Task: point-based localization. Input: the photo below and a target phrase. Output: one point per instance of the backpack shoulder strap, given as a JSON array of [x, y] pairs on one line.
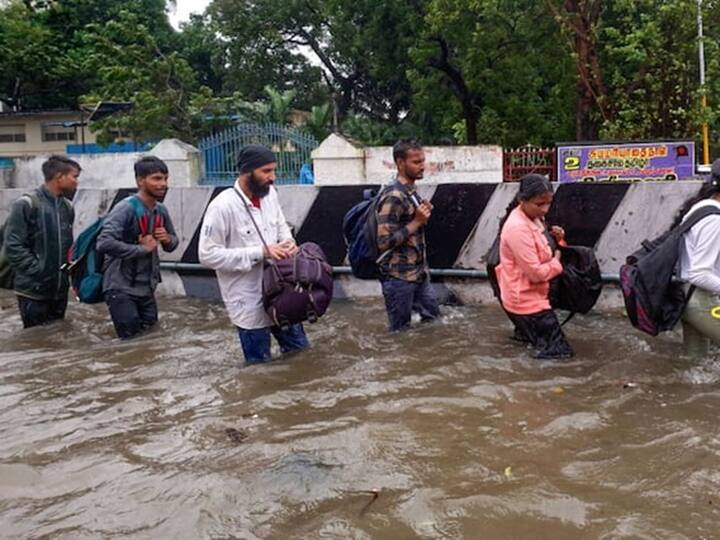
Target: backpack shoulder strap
[[137, 205], [696, 216], [245, 204], [67, 203], [32, 199]]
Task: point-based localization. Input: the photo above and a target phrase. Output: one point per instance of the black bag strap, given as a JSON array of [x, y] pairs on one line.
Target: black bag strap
[[568, 318], [697, 215], [245, 204]]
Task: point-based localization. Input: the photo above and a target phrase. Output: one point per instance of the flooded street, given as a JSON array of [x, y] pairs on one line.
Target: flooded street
[[450, 431]]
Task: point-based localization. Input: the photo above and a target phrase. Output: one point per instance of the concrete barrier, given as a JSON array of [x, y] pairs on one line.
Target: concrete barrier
[[612, 218]]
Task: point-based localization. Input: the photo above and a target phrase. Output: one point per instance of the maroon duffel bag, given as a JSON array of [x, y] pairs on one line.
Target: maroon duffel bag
[[299, 288]]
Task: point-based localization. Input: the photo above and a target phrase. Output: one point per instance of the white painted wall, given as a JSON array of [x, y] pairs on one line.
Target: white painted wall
[[112, 170], [338, 161]]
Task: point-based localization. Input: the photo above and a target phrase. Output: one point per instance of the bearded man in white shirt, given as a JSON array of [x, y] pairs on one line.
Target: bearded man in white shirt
[[231, 245]]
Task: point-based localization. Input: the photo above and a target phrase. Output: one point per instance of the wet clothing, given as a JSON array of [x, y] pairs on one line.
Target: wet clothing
[[699, 261], [406, 259], [526, 265], [131, 274], [128, 267], [38, 235], [38, 312], [702, 316], [255, 342], [543, 332], [700, 250], [230, 245], [131, 315], [403, 297], [405, 278]]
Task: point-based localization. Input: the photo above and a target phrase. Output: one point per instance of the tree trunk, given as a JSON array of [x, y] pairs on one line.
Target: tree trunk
[[579, 18], [586, 128], [471, 120], [468, 99]]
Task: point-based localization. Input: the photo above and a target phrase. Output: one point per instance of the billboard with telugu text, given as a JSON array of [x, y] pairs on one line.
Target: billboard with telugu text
[[626, 162]]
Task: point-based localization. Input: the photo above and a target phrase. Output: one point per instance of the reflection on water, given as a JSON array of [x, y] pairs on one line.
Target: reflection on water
[[450, 431]]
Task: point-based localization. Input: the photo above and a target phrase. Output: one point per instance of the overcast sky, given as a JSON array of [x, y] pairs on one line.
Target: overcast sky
[[184, 8]]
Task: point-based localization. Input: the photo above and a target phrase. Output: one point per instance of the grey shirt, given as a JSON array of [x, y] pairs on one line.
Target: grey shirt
[[128, 268]]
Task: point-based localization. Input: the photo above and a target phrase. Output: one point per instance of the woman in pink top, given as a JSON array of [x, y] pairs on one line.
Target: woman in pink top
[[527, 264]]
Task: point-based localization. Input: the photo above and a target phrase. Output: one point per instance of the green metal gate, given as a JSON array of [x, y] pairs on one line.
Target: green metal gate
[[291, 146]]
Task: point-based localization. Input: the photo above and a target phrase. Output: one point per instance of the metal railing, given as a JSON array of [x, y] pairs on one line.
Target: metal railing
[[292, 148], [463, 273], [517, 162]]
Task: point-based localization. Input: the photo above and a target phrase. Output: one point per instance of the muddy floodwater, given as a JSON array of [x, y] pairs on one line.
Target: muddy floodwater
[[446, 431]]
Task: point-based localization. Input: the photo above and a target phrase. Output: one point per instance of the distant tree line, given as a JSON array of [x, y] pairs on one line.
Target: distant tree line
[[506, 72]]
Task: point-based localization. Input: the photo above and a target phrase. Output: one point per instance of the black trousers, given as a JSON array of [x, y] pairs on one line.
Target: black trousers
[[542, 330], [131, 314], [37, 312]]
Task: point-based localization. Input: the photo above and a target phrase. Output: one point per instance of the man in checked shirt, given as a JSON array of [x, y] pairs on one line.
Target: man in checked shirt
[[402, 216]]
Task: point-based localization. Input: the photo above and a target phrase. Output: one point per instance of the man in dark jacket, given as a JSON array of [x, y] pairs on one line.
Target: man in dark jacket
[[129, 240], [38, 234]]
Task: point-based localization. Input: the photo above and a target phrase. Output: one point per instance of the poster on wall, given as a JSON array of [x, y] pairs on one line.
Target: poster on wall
[[626, 162]]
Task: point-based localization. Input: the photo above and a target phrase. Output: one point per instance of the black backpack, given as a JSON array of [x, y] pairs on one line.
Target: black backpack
[[654, 301], [360, 233], [575, 290], [579, 286]]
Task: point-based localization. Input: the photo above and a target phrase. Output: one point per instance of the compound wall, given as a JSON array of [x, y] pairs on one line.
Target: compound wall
[[612, 218]]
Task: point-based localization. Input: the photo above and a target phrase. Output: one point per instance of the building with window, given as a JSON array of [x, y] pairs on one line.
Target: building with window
[[31, 133]]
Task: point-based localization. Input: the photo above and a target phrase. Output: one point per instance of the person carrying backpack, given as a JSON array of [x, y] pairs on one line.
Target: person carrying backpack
[[230, 243], [527, 265], [401, 220], [699, 265], [129, 242], [37, 236]]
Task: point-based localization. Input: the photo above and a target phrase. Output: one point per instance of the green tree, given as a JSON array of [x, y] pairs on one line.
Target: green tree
[[130, 66], [318, 121], [32, 73], [200, 47], [491, 70], [42, 53], [636, 66], [361, 47]]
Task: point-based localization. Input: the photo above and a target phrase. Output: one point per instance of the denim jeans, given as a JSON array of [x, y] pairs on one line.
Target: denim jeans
[[131, 314], [256, 342], [37, 312], [402, 297]]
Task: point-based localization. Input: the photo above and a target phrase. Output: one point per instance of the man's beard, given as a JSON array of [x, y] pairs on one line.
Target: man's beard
[[157, 194], [257, 188]]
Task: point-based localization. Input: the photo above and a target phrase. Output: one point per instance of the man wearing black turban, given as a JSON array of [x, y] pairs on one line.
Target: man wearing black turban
[[231, 245]]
